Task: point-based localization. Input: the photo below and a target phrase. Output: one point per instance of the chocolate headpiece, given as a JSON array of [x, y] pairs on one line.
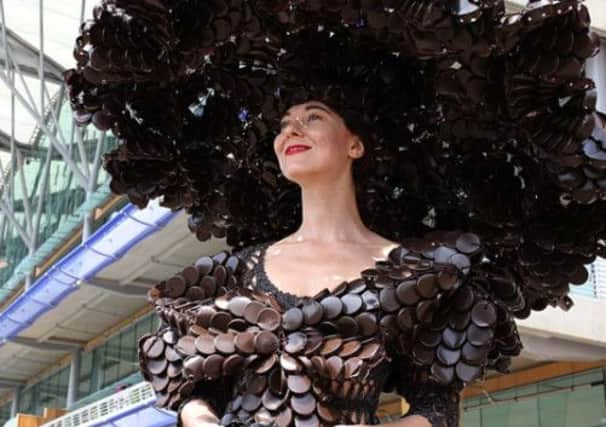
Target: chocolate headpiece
[[480, 120]]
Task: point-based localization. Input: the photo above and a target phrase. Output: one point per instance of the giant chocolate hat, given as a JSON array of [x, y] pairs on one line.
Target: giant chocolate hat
[[479, 120]]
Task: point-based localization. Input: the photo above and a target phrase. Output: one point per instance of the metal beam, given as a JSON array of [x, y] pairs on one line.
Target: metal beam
[[10, 382], [115, 287], [28, 58], [44, 345]]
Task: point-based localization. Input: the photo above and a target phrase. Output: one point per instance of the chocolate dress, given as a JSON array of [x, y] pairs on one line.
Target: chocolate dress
[[422, 322]]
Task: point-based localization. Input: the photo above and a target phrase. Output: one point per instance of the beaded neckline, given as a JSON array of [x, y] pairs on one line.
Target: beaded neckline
[[286, 299]]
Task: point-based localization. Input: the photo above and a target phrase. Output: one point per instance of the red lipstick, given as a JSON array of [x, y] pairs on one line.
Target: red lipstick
[[297, 148]]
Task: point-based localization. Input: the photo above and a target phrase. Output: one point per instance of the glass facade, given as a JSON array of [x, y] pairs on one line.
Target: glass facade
[[100, 368], [572, 401]]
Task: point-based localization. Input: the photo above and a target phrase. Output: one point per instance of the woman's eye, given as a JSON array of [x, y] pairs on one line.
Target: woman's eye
[[313, 116]]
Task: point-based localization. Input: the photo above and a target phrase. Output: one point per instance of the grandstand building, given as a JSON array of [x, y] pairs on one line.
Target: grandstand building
[[76, 263]]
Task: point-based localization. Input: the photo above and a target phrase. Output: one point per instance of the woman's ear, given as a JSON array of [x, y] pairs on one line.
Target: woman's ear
[[356, 147]]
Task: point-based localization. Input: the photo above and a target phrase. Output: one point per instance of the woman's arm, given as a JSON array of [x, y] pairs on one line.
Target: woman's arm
[[197, 413]]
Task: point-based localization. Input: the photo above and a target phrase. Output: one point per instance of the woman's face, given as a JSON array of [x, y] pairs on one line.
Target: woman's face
[[314, 142]]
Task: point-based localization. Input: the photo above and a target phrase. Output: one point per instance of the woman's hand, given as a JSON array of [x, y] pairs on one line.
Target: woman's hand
[[196, 413]]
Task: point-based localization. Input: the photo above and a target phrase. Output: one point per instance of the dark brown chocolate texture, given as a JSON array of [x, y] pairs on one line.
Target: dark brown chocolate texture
[[480, 121]]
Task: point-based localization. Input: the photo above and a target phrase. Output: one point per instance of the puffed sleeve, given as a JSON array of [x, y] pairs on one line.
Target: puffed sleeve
[[445, 321], [180, 359]]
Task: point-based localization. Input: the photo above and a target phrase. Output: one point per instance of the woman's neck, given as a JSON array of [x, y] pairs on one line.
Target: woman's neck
[[330, 213]]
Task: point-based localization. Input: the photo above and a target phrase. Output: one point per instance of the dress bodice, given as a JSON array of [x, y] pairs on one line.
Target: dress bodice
[[416, 324]]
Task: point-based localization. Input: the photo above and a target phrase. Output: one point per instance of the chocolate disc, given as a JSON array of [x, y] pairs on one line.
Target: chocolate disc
[[351, 367], [447, 279], [340, 289], [331, 346], [186, 346], [204, 265], [225, 343], [304, 404], [213, 366], [250, 402], [406, 318], [267, 364], [427, 286], [193, 367], [463, 299], [289, 363], [256, 384], [406, 292], [424, 311], [347, 326], [266, 342], [237, 305], [424, 355], [484, 314], [367, 324], [245, 342], [263, 416], [203, 316], [251, 311], [284, 418], [175, 286], [332, 307], [277, 382], [237, 325], [428, 337], [208, 285], [191, 275], [442, 374], [232, 364], [447, 356], [171, 355], [222, 302], [295, 342], [292, 319], [269, 319], [327, 413], [459, 321], [357, 286], [157, 367], [174, 384], [311, 421], [205, 344], [468, 243], [220, 275], [313, 344], [442, 254], [351, 303], [369, 351], [174, 369], [461, 261], [371, 300], [467, 373], [170, 337], [388, 299], [195, 293], [472, 354], [272, 401], [312, 312], [298, 383], [350, 348], [453, 338], [479, 336], [334, 365], [153, 347], [319, 365], [220, 320]]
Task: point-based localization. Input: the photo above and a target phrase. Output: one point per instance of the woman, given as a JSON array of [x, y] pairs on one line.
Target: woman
[[317, 150], [478, 123]]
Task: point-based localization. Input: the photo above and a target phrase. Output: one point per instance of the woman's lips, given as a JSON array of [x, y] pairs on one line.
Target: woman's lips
[[293, 149]]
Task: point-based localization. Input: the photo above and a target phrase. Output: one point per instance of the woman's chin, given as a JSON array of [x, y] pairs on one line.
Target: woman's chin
[[300, 174]]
